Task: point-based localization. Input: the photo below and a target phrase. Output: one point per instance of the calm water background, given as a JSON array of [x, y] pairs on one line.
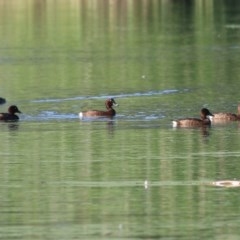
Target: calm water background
[[62, 178]]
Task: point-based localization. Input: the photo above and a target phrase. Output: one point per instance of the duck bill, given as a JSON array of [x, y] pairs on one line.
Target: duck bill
[[114, 103]]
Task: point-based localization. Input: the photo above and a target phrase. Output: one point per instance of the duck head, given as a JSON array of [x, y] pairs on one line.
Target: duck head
[[205, 113], [110, 103], [13, 109]]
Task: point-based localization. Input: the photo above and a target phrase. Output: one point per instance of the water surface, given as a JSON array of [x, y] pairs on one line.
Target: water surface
[[134, 176]]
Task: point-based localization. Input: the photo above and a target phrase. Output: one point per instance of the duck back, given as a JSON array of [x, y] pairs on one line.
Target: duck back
[[191, 122], [225, 116]]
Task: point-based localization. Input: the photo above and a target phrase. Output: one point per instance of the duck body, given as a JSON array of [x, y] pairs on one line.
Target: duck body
[[226, 117], [97, 113], [205, 120], [109, 113], [10, 116], [191, 122]]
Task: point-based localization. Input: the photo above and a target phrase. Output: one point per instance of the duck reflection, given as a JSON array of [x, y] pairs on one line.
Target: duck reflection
[[111, 126], [110, 123], [13, 126], [10, 126], [204, 131]]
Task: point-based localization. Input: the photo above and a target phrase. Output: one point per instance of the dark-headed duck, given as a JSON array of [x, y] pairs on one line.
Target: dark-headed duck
[[10, 116], [205, 120], [2, 100], [225, 117], [97, 113]]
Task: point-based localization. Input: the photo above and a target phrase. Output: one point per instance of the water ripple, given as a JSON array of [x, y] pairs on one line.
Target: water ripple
[[145, 184], [121, 95]]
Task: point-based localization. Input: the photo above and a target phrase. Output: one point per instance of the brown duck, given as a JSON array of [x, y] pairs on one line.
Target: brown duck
[[205, 120], [226, 116], [10, 116], [110, 112]]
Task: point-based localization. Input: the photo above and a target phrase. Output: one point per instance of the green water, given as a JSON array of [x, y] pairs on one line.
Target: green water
[[62, 178]]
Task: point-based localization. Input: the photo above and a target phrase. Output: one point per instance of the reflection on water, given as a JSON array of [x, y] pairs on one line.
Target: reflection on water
[[132, 177], [93, 184], [13, 126], [204, 131], [9, 126]]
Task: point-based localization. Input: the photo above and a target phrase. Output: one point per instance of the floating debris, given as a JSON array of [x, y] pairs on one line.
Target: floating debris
[[146, 184], [226, 183]]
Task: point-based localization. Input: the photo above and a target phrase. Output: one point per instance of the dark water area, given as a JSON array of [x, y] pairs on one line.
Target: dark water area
[[133, 176]]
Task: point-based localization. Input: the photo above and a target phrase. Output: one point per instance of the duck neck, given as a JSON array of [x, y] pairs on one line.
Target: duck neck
[[108, 107]]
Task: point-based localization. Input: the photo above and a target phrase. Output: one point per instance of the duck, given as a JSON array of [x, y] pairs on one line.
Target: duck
[[109, 103], [226, 116], [206, 117], [10, 116], [2, 100]]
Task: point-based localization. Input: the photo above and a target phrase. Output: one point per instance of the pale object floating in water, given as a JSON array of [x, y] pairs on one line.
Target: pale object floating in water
[[227, 183], [145, 184]]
